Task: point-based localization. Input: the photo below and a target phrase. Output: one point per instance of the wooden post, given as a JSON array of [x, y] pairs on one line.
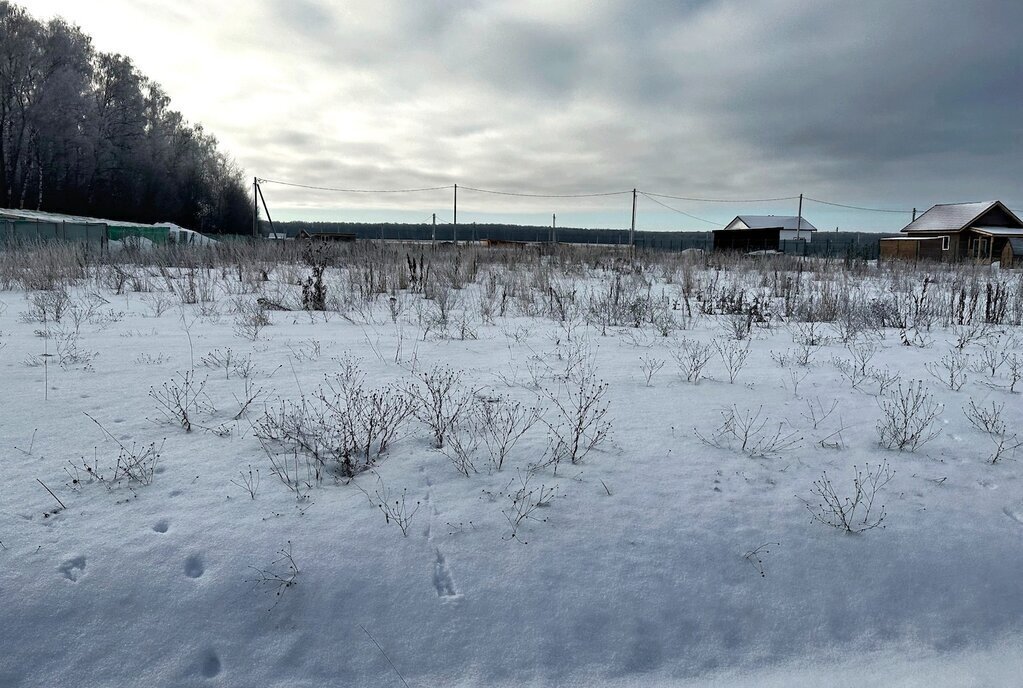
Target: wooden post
[[255, 207], [433, 235], [632, 227], [799, 217], [454, 225]]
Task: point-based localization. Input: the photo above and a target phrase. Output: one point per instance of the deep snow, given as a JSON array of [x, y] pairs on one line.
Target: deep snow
[[648, 585]]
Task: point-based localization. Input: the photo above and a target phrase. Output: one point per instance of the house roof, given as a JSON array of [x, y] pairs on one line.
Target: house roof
[[955, 217], [1017, 245], [1000, 231], [775, 222]]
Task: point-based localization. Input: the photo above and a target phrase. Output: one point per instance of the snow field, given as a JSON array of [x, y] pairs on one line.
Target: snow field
[[660, 559]]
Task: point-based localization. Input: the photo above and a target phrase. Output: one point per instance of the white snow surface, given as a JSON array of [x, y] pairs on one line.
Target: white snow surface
[[635, 577]]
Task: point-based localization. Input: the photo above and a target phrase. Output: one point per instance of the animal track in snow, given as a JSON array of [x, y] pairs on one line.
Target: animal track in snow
[[194, 567], [73, 568], [210, 664], [442, 578], [1015, 513], [161, 526]]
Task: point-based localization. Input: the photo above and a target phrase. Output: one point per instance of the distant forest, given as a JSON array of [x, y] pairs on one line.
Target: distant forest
[[83, 132]]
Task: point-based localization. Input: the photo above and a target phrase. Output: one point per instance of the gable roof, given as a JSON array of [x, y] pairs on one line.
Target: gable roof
[[775, 222], [955, 217]]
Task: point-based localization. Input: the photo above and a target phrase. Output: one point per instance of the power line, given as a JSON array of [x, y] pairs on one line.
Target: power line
[[536, 195], [857, 207], [364, 191], [680, 212], [648, 194], [719, 200]]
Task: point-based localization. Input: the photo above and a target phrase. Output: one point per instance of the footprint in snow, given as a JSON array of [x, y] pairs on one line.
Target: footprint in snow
[[194, 567], [73, 568], [209, 664], [442, 580], [161, 526], [1015, 513]]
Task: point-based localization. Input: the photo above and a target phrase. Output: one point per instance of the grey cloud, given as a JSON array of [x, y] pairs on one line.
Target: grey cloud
[[875, 101]]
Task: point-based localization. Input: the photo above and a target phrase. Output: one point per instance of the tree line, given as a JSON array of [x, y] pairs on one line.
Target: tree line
[[84, 132]]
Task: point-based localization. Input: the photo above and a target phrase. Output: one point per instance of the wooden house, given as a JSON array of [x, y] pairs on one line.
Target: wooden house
[[967, 231]]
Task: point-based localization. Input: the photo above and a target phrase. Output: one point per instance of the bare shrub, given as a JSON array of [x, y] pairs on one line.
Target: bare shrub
[[650, 367], [749, 433], [857, 369], [181, 400], [441, 400], [134, 465], [950, 369], [522, 503], [1014, 362], [47, 306], [692, 357], [342, 425], [970, 333], [502, 423], [280, 576], [853, 513], [220, 359], [908, 415], [990, 422], [158, 302], [733, 354], [398, 510], [248, 481], [578, 423], [250, 320]]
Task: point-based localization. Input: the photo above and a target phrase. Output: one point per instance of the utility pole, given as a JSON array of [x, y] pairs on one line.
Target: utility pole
[[554, 228], [454, 225], [632, 228], [433, 235], [255, 207], [799, 218]]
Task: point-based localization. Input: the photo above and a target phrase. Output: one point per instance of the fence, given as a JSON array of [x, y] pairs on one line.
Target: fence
[[15, 232]]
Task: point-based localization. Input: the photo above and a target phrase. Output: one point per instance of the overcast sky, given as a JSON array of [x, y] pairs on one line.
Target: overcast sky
[[882, 103]]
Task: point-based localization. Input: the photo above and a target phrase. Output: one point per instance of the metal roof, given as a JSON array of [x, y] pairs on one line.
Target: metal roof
[[1000, 231], [1017, 245], [775, 222], [953, 217], [40, 216]]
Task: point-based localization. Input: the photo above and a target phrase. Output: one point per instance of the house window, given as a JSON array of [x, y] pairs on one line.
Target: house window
[[944, 243]]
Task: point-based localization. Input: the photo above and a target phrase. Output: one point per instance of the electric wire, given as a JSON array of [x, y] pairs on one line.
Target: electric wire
[[363, 191], [721, 200], [651, 195], [857, 207], [680, 212], [538, 195]]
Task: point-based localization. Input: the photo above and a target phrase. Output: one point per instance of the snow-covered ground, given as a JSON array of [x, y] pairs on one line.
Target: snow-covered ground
[[666, 556]]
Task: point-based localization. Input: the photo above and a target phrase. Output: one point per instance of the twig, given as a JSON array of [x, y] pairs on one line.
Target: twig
[[62, 506], [385, 656]]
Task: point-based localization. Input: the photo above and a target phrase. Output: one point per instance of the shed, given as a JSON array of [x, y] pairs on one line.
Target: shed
[[1012, 253], [762, 232]]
